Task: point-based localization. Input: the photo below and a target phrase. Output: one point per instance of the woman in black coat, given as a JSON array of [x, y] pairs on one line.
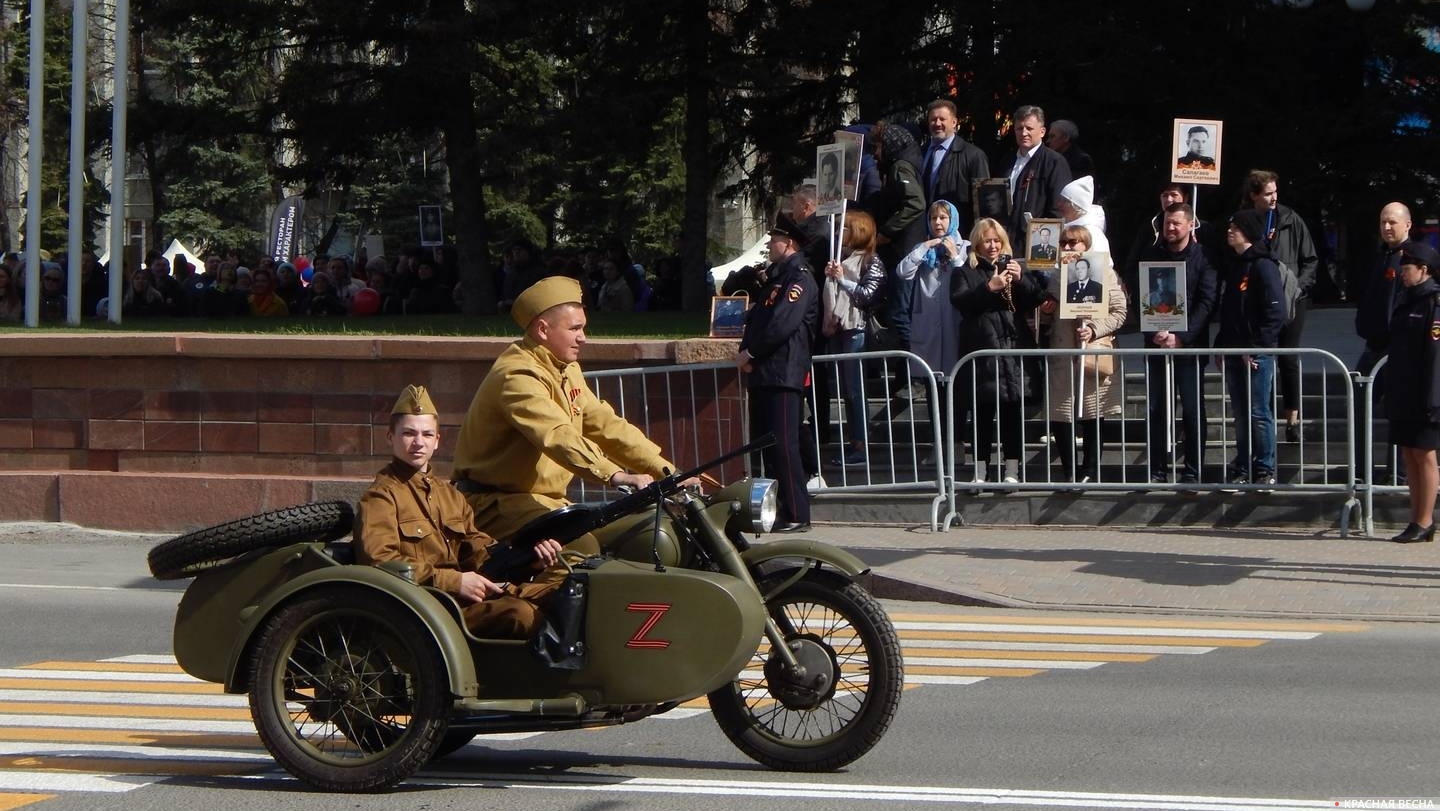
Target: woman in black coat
[[1412, 384], [994, 295]]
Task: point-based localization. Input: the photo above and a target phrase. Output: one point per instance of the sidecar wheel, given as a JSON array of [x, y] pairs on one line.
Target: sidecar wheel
[[193, 552], [347, 692], [841, 634]]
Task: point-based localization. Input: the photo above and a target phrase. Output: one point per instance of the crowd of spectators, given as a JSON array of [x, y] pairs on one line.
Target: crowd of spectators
[[945, 289], [417, 282]]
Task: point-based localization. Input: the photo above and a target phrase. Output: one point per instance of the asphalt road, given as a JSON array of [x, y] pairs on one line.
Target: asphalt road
[[1008, 709]]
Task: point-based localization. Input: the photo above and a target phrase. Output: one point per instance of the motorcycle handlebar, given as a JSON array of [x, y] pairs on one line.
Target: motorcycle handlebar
[[570, 523]]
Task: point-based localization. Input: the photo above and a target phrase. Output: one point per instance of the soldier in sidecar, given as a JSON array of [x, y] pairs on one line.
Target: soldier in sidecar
[[411, 516]]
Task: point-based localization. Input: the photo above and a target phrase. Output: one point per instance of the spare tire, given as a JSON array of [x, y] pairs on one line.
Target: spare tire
[[194, 552]]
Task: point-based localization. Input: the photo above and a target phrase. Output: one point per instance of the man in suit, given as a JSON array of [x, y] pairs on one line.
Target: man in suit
[[950, 163], [1082, 288], [1044, 247], [1036, 172]]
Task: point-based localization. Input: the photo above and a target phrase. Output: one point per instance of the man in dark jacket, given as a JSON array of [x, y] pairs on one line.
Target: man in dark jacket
[[951, 163], [775, 354], [1288, 241], [899, 209], [1373, 311], [1252, 313], [1178, 243], [1037, 173], [1211, 239], [1063, 137]]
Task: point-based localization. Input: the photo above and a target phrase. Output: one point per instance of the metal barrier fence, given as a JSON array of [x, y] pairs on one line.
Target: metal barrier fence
[[1372, 480], [1042, 382], [883, 439]]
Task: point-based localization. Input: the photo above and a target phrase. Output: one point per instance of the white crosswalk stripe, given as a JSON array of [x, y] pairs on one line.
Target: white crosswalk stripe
[[104, 727]]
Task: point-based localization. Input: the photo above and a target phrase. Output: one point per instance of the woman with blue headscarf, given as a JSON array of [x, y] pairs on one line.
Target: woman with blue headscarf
[[934, 321]]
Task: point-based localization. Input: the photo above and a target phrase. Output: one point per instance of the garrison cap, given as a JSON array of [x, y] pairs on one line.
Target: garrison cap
[[1414, 252], [414, 400], [544, 294]]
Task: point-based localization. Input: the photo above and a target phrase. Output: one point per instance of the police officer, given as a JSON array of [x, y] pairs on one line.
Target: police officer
[[1412, 386], [534, 424], [775, 352]]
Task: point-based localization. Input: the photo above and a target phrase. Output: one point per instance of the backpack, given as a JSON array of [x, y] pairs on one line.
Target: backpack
[[1290, 289]]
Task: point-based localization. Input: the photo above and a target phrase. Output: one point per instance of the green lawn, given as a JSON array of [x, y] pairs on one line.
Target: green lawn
[[653, 325]]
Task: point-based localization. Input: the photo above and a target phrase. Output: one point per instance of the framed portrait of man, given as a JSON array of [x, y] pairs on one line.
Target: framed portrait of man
[[854, 144], [990, 197], [727, 316], [1162, 297], [1082, 285], [1195, 143], [829, 179], [432, 231], [1042, 244]]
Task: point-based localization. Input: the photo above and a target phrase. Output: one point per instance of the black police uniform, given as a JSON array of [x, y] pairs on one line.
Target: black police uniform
[[778, 332]]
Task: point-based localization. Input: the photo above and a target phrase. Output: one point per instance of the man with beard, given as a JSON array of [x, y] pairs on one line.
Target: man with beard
[[1178, 243]]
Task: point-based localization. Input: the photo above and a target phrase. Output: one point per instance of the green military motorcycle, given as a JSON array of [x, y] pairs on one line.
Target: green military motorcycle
[[358, 677]]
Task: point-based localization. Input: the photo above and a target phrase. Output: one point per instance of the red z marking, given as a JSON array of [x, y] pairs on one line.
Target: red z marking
[[656, 611]]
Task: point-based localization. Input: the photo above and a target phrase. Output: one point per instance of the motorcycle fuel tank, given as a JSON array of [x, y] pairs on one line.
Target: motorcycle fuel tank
[[671, 635]]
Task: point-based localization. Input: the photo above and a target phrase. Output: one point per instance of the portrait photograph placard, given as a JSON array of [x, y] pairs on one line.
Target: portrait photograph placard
[[432, 230], [1082, 285], [1195, 143], [1042, 251], [991, 198], [1162, 297], [829, 179], [727, 316], [854, 144]]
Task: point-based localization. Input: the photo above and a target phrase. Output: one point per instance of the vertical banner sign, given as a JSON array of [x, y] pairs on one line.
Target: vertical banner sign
[[285, 228]]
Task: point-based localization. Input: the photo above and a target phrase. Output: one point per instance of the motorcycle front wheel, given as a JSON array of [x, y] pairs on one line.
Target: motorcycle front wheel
[[347, 693], [841, 704]]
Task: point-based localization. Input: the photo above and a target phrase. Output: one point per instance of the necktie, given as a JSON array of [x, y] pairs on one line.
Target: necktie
[[932, 168]]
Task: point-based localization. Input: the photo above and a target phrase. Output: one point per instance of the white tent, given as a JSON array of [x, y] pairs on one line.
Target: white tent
[[176, 247], [754, 255]]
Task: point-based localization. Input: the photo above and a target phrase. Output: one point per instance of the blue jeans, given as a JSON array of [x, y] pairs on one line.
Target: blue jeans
[[1252, 398], [1193, 422], [856, 415]]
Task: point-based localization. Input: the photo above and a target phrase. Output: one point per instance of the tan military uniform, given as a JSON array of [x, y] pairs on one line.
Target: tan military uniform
[[532, 427], [413, 516]]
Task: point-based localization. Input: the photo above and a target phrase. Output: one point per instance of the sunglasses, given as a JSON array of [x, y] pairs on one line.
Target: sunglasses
[[1069, 243]]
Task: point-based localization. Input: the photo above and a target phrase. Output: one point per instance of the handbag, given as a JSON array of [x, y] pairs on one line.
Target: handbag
[[1104, 365]]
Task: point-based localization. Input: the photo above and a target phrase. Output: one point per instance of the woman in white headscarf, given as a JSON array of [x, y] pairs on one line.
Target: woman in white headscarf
[[1078, 207]]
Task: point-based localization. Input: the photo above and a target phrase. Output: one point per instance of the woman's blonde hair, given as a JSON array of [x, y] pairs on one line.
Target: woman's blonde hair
[[983, 228]]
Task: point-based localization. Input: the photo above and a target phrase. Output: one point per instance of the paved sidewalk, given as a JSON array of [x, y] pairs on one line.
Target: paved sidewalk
[[1314, 574], [1239, 572]]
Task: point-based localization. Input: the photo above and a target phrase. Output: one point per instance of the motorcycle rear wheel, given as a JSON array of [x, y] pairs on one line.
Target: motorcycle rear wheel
[[840, 632], [348, 693]]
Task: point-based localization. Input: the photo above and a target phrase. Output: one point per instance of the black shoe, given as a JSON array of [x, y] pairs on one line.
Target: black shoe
[[1268, 482], [1189, 479], [1237, 478], [1414, 533], [1159, 477], [1293, 432], [793, 526]]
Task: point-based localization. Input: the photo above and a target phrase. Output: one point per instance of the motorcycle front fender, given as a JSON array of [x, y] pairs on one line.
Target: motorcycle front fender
[[813, 551]]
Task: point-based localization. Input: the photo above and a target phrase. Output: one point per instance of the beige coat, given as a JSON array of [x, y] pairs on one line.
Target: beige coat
[[1064, 373]]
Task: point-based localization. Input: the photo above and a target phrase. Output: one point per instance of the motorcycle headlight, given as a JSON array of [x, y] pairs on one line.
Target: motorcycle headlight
[[763, 505]]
